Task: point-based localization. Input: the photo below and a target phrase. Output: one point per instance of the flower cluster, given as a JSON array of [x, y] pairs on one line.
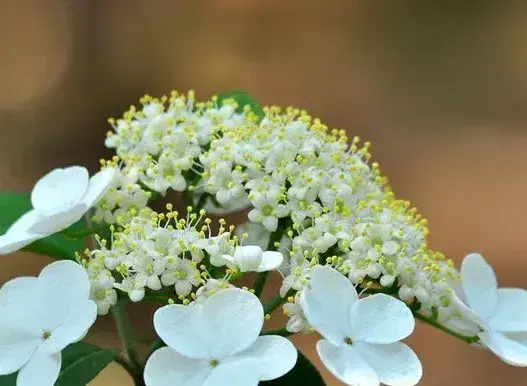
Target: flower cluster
[[296, 174], [354, 259], [158, 146], [159, 250], [338, 208]]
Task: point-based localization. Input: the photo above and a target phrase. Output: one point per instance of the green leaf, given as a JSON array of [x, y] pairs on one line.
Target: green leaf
[[59, 245], [243, 99], [81, 362], [304, 373]]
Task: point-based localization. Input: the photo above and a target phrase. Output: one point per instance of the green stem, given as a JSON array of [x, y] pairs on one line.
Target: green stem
[[201, 202], [124, 331], [430, 321], [259, 284], [277, 301], [187, 199], [281, 332]]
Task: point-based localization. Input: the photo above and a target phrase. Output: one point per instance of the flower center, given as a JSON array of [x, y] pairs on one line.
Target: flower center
[[267, 210], [180, 274], [348, 340], [100, 294], [213, 363]]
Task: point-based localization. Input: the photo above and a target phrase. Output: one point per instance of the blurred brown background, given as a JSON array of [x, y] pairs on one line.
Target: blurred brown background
[[439, 87]]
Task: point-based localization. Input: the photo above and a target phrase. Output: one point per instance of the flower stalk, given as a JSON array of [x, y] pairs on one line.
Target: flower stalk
[[129, 360], [431, 322]]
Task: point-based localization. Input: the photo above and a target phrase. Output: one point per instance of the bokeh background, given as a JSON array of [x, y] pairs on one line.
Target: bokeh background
[[439, 87]]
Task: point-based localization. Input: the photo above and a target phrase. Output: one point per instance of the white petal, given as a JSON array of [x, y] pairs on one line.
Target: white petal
[[165, 367], [395, 364], [270, 261], [17, 344], [19, 291], [466, 313], [99, 184], [269, 357], [176, 325], [328, 304], [25, 222], [380, 319], [511, 315], [230, 321], [231, 373], [64, 284], [223, 196], [74, 327], [221, 260], [42, 366], [248, 257], [20, 307], [66, 276], [270, 223], [345, 364], [479, 285], [18, 235], [59, 190], [10, 243], [47, 225], [509, 350]]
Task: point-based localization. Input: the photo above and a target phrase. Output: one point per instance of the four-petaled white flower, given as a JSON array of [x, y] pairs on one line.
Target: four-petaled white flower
[[251, 258], [40, 317], [216, 343], [59, 200], [500, 314], [361, 345]]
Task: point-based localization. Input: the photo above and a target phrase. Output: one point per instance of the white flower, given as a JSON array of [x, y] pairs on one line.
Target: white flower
[[251, 258], [216, 247], [40, 317], [134, 286], [267, 210], [258, 235], [211, 287], [102, 292], [59, 199], [183, 274], [297, 321], [216, 343], [361, 345], [500, 313], [298, 275]]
